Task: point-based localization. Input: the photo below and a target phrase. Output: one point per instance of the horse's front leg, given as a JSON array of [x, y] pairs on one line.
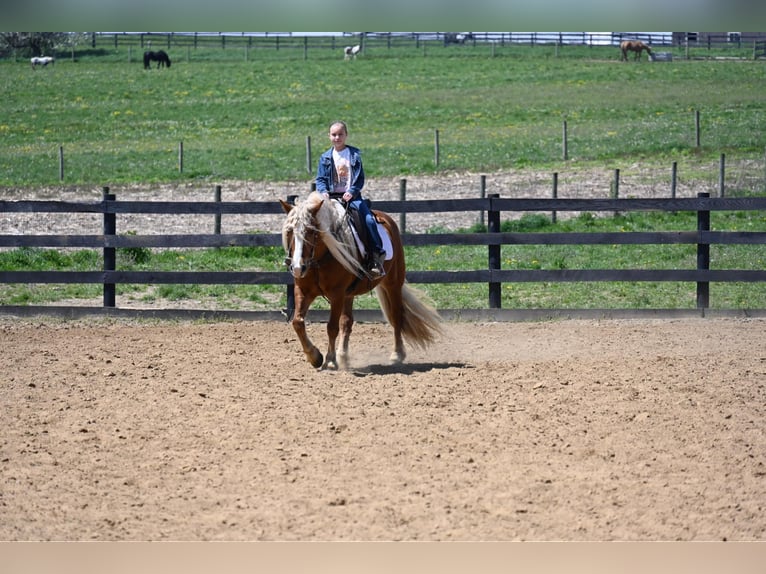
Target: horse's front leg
[[302, 304]]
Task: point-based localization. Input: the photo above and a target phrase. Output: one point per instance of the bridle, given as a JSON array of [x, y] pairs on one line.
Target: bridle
[[309, 262]]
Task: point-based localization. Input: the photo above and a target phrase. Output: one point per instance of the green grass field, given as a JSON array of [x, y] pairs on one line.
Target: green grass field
[[248, 119]]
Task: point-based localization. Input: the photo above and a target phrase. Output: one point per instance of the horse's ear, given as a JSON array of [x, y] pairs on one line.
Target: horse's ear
[[286, 206]]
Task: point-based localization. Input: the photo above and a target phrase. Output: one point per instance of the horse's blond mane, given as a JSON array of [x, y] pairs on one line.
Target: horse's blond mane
[[329, 222]]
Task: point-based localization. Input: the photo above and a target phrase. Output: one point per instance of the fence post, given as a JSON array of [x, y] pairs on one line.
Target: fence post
[[721, 175], [110, 253], [616, 188], [482, 194], [180, 157], [308, 154], [61, 163], [697, 128], [217, 199], [493, 226], [555, 194], [565, 152], [703, 256], [436, 148], [673, 179], [403, 213]]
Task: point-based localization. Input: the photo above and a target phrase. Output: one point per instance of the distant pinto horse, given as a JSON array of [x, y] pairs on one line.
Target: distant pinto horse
[[160, 57], [456, 38], [350, 52], [636, 46], [41, 61], [324, 258]]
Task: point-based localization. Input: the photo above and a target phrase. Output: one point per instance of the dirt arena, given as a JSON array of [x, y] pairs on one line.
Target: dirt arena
[[641, 429]]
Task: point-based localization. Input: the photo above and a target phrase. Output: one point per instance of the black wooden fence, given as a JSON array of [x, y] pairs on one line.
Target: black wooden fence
[[494, 276]]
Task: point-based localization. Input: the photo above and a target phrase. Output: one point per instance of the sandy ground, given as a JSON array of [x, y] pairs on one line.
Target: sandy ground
[[558, 430]]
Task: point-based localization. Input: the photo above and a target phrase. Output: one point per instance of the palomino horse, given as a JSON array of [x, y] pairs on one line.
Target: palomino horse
[[636, 46], [322, 255]]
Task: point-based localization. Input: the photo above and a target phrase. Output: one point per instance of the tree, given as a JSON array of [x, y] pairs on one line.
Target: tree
[[29, 44]]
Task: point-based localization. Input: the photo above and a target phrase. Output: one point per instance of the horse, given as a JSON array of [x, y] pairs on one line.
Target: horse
[[350, 52], [324, 258], [636, 46], [455, 38], [160, 57], [42, 61]]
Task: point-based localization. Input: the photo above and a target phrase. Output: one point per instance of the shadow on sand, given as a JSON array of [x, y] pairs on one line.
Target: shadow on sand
[[405, 368]]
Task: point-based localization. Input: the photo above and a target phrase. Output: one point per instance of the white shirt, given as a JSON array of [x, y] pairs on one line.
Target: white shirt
[[342, 176]]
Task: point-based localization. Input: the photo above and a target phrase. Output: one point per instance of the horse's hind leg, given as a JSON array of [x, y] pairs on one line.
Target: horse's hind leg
[[398, 354], [346, 326], [330, 361], [392, 305]]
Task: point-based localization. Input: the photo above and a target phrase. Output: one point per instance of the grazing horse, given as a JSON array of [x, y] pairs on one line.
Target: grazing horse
[[350, 52], [41, 61], [324, 259], [160, 57], [636, 46]]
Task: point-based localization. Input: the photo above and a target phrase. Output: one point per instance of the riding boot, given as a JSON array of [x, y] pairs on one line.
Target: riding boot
[[377, 267]]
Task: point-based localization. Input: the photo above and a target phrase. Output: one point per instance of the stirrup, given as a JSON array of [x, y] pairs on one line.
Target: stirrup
[[378, 267]]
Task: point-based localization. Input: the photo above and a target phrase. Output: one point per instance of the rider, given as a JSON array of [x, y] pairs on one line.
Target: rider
[[340, 175]]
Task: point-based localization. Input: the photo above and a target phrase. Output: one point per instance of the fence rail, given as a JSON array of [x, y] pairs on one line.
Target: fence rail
[[493, 275], [277, 40], [297, 43]]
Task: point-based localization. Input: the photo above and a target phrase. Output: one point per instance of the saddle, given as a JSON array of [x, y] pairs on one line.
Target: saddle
[[358, 227]]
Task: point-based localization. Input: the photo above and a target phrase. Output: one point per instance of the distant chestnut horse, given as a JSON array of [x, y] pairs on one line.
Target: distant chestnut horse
[[636, 46]]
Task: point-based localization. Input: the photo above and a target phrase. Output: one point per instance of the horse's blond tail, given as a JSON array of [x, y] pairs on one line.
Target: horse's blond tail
[[421, 323]]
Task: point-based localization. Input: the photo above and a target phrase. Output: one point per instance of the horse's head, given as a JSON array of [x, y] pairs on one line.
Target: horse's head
[[301, 238], [312, 229]]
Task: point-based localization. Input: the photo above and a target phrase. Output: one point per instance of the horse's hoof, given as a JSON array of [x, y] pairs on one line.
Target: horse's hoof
[[331, 366], [315, 358], [397, 358]]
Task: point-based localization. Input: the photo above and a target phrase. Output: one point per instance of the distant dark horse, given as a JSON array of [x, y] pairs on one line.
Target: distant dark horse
[[633, 46], [160, 57]]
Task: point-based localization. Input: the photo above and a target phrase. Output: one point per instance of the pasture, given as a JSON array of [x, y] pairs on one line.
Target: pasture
[[244, 123], [249, 120]]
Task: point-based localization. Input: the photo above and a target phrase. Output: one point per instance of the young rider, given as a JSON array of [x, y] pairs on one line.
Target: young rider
[[340, 175]]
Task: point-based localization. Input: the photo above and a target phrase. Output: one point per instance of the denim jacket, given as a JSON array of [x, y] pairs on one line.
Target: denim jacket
[[326, 169]]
